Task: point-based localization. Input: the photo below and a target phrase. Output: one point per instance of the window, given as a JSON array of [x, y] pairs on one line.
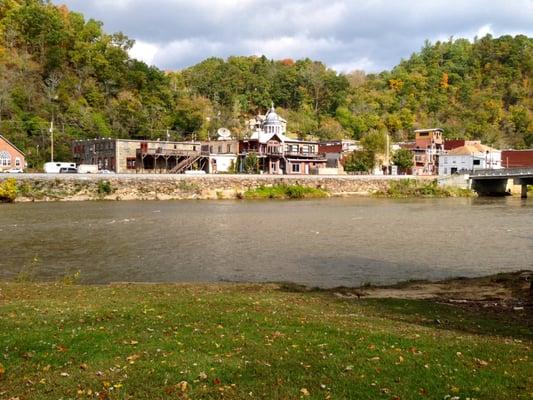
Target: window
[[273, 166], [477, 162], [295, 168], [228, 148], [219, 149], [130, 163], [17, 162], [5, 159]]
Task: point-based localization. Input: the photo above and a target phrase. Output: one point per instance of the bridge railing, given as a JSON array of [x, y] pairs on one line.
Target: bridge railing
[[502, 172]]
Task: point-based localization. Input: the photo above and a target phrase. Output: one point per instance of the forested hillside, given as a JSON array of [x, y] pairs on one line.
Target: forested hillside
[[56, 65]]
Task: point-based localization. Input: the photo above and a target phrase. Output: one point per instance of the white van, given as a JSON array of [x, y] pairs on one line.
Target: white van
[[87, 169], [55, 167]]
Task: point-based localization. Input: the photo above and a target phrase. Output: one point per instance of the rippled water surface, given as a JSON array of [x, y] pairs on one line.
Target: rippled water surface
[[320, 242]]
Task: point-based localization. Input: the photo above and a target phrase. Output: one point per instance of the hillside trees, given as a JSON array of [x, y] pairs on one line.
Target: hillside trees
[[477, 90]]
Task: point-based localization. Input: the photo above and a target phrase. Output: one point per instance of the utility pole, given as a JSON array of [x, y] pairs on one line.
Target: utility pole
[[52, 139], [388, 156]]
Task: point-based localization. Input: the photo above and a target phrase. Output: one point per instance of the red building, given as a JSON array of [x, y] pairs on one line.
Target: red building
[[10, 156], [517, 158], [428, 146]]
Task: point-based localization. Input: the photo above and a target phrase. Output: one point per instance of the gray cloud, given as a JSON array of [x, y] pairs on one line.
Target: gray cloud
[[367, 34]]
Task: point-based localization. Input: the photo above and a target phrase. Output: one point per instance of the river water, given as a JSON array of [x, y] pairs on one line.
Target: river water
[[325, 243]]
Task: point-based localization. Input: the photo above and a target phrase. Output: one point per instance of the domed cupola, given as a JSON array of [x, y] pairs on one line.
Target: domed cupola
[[272, 122]]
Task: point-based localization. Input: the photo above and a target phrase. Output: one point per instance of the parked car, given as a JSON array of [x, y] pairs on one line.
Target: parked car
[[105, 171], [68, 170], [14, 171]]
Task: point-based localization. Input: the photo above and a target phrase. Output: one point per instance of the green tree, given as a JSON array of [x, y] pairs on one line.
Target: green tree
[[359, 161], [403, 158]]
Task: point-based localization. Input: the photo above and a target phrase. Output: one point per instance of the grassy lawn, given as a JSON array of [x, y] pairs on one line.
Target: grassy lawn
[[251, 341]]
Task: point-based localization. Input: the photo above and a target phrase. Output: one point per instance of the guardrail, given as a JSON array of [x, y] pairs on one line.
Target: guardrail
[[503, 172]]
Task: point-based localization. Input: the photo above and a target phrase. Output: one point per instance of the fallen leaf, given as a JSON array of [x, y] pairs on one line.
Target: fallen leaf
[[304, 392], [65, 374], [2, 370], [183, 385]]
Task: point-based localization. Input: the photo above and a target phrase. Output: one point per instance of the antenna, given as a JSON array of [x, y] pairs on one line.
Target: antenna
[[223, 133]]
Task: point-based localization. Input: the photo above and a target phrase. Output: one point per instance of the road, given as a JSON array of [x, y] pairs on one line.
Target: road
[[180, 177]]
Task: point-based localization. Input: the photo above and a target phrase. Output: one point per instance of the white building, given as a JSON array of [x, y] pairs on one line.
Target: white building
[[470, 157]]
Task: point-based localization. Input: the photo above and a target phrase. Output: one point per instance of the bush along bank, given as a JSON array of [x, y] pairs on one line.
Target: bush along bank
[[284, 192], [8, 191], [413, 188]]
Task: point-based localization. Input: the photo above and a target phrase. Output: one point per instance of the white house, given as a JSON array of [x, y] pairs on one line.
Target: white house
[[470, 157]]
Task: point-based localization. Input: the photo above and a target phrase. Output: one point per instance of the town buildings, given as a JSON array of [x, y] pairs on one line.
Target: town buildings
[[276, 152], [470, 157], [428, 146], [131, 156], [223, 153], [10, 156], [336, 150]]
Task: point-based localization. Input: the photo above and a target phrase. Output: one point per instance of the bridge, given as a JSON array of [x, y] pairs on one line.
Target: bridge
[[494, 181]]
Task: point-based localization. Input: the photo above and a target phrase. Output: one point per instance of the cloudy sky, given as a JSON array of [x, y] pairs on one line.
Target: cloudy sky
[[346, 34]]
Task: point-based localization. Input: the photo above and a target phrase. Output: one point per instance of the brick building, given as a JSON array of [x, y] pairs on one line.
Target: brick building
[[10, 156]]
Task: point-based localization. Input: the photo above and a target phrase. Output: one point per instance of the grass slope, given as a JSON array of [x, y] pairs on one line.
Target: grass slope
[[250, 341]]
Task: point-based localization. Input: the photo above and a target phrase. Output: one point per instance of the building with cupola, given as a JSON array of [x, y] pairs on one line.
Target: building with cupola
[[276, 152]]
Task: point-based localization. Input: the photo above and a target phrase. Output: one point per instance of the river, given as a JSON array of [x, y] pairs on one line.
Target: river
[[326, 243]]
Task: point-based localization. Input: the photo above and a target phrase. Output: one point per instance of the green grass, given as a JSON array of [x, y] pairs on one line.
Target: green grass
[[250, 341], [283, 191], [415, 188]]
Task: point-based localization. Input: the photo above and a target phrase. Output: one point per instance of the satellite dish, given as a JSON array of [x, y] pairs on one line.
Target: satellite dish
[[224, 133]]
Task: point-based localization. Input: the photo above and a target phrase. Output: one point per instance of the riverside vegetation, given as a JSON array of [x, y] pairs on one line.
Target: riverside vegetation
[[412, 188], [283, 191], [243, 341]]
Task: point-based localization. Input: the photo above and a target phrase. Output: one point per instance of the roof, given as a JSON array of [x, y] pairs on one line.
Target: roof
[[12, 145], [263, 137], [471, 149], [429, 130]]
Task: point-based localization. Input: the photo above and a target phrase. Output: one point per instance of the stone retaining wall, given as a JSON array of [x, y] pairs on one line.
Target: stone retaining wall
[[76, 188]]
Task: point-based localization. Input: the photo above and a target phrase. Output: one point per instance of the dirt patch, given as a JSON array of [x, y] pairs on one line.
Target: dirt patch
[[502, 293]]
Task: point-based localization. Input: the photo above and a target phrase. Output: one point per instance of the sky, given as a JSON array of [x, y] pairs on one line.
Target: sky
[[347, 35]]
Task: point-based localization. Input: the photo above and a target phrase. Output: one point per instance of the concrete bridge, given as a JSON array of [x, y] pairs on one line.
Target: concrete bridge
[[494, 181]]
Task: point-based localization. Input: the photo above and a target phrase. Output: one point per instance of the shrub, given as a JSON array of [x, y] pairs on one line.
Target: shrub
[[284, 192], [104, 188], [8, 191]]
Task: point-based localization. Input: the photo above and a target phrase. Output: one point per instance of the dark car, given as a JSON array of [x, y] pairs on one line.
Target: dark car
[[68, 171]]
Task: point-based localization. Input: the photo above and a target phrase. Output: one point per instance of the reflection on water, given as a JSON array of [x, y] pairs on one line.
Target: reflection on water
[[320, 242]]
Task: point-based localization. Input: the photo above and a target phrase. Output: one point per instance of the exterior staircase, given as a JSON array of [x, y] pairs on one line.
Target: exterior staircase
[[184, 164]]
